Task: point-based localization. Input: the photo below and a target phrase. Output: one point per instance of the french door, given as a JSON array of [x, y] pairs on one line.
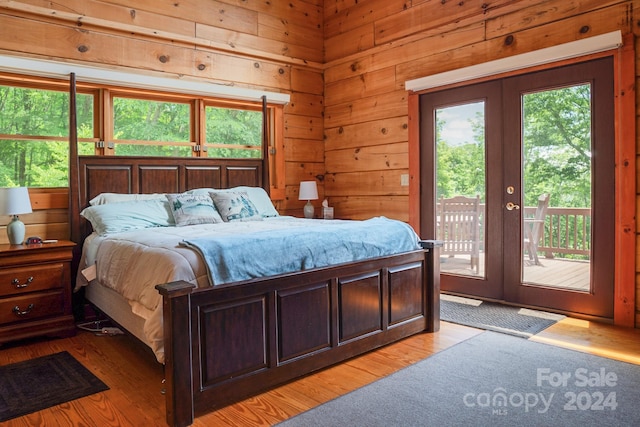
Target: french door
[[520, 187]]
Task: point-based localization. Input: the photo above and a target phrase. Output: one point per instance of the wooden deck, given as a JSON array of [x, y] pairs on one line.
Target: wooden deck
[[560, 273]]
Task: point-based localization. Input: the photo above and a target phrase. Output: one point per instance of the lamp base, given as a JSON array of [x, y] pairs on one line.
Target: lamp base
[[15, 231], [309, 210]]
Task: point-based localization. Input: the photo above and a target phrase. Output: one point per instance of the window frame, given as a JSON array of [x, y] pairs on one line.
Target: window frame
[[104, 142]]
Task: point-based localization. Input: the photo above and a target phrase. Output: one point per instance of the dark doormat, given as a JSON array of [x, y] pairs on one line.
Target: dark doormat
[[40, 383], [495, 317]]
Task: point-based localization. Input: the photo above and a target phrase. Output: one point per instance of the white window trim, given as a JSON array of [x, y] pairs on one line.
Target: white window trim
[[574, 49], [132, 79]]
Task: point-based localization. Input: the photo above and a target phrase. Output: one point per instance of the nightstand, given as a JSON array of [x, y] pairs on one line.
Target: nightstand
[[35, 290]]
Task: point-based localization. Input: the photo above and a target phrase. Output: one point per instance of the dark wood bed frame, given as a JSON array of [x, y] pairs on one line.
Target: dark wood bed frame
[[229, 342]]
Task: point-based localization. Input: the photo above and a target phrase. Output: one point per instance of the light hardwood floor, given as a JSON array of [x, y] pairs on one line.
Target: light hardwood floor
[[134, 378]]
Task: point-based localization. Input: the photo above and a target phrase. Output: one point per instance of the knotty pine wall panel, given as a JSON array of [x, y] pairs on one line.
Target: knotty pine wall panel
[[419, 52], [356, 40], [364, 85], [275, 46], [301, 150], [364, 207], [392, 104], [109, 12], [543, 13], [307, 81], [435, 17], [404, 53], [423, 38], [343, 16], [335, 58], [598, 22], [368, 158], [305, 104], [384, 131]]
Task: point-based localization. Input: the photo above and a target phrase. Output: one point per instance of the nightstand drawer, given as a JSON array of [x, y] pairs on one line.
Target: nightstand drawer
[[18, 280], [34, 306]]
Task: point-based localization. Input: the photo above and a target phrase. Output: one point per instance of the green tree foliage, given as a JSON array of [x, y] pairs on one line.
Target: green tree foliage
[[461, 165], [557, 145], [234, 127], [143, 120], [33, 160], [556, 149], [37, 113]]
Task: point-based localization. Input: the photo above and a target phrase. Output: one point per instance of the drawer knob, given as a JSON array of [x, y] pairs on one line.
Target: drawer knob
[[20, 313], [18, 285]]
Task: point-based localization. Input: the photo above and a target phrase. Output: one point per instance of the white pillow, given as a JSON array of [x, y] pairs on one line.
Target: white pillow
[[125, 216], [104, 198], [235, 206], [190, 209]]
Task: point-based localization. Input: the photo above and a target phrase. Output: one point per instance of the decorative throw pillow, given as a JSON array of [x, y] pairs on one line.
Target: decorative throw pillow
[[235, 206], [190, 209], [257, 195]]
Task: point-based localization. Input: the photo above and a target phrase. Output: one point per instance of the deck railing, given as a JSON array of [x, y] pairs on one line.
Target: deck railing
[[567, 231]]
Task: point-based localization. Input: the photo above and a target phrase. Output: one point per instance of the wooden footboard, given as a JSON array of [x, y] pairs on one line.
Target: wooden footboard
[[229, 342]]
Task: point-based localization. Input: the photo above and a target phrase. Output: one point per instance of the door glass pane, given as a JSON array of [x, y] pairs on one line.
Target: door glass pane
[[460, 188], [557, 171]]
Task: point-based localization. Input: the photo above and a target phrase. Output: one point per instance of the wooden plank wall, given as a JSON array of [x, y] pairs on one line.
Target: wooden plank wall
[[275, 46], [372, 47], [344, 62]]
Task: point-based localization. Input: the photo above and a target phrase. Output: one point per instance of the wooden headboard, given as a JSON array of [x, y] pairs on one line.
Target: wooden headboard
[[134, 175]]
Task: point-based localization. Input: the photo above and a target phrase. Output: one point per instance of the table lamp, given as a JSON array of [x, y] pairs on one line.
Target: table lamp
[[308, 192], [15, 201]]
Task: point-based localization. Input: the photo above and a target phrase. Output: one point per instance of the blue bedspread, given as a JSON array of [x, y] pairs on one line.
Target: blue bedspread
[[268, 253]]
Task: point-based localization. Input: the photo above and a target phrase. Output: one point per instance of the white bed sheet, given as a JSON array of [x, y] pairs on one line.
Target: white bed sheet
[[134, 262]]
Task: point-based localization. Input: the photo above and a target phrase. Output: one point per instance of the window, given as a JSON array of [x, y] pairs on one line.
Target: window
[[145, 127], [233, 132], [151, 128], [34, 133], [34, 128]]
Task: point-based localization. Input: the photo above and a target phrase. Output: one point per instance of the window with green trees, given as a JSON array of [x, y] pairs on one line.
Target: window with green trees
[[233, 132], [139, 122], [34, 132], [34, 128]]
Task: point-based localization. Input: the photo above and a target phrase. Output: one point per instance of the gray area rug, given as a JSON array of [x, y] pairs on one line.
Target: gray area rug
[[496, 317], [492, 379]]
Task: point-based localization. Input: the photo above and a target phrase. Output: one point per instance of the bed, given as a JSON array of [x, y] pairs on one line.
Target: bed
[[226, 342]]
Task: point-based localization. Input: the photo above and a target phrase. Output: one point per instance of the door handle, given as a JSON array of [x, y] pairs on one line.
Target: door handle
[[511, 206]]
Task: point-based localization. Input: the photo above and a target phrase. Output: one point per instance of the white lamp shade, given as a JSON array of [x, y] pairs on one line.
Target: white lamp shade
[[308, 191], [14, 201]]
